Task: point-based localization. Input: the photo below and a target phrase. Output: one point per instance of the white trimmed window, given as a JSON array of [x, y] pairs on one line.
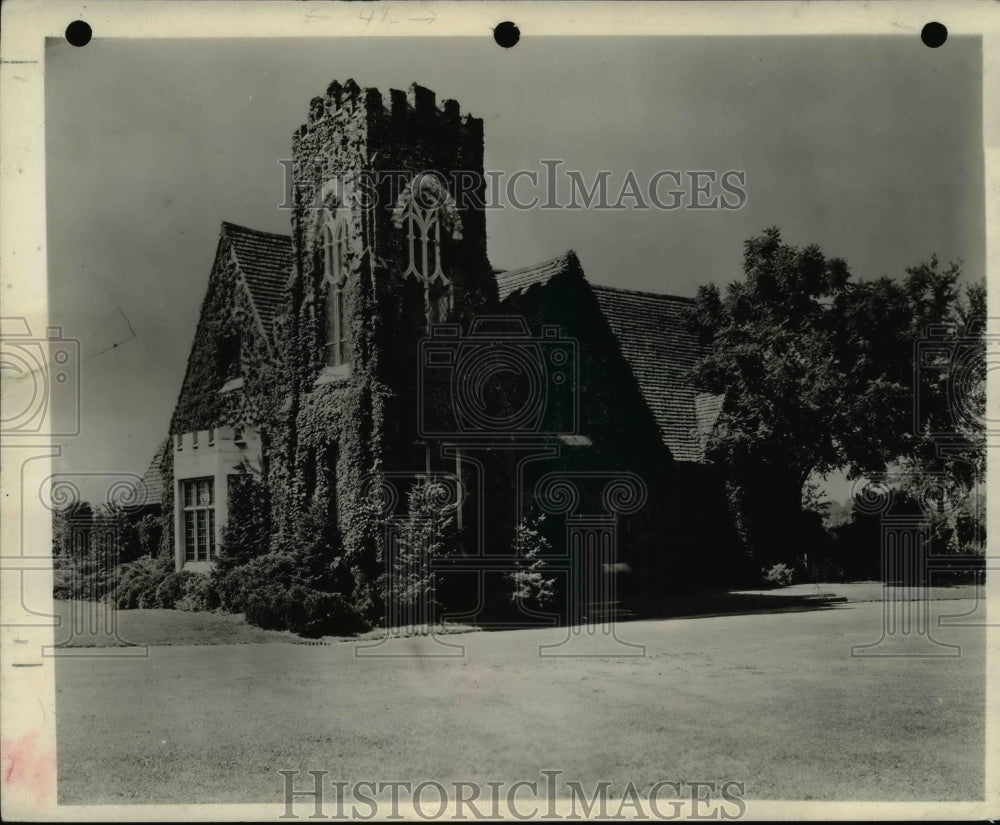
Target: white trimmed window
[[337, 338], [198, 499]]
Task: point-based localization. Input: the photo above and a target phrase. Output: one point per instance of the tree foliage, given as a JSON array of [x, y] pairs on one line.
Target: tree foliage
[[817, 370], [530, 584], [429, 533]]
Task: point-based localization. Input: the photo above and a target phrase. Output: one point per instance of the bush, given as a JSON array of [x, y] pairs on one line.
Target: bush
[[228, 587], [780, 575], [529, 585], [138, 582], [171, 590], [234, 587], [307, 612], [199, 596], [275, 593], [429, 533], [327, 614]]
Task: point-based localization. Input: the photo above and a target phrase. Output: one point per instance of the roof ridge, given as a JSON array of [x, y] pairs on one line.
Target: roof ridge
[[230, 225], [564, 257], [642, 292]]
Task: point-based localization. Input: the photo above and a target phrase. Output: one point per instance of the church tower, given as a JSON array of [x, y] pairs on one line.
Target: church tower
[[388, 239], [392, 194]]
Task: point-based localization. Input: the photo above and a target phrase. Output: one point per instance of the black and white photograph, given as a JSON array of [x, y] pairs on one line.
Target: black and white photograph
[[486, 411]]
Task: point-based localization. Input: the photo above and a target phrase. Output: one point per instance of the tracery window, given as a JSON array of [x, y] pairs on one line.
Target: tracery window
[[426, 212], [336, 323]]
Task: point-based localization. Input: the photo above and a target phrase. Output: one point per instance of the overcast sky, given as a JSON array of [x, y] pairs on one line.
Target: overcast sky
[[869, 146]]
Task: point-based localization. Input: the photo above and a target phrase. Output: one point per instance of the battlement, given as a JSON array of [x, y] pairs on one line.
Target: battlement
[[212, 439], [417, 105], [389, 138]]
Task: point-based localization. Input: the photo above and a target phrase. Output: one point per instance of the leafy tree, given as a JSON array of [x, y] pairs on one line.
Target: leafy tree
[[71, 527], [115, 537], [817, 373]]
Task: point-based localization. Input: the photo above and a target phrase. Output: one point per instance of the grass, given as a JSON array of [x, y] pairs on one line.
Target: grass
[[90, 624], [774, 700]]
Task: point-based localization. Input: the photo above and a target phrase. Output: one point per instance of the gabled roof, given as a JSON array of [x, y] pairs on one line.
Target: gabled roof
[[651, 330], [152, 479], [265, 261], [520, 280], [652, 333]]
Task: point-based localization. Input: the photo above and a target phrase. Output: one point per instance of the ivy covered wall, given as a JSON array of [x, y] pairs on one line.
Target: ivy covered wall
[[339, 426], [326, 430]]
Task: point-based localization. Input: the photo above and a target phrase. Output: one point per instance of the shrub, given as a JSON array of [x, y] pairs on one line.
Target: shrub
[[247, 533], [171, 589], [267, 607], [274, 593], [780, 575], [138, 581], [228, 586], [428, 533], [327, 614], [529, 585], [310, 613], [199, 596]]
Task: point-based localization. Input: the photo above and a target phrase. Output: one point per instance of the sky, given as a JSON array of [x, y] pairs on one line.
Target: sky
[[869, 146]]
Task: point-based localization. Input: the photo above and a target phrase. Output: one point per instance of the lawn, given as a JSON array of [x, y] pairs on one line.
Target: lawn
[[774, 700], [91, 624]]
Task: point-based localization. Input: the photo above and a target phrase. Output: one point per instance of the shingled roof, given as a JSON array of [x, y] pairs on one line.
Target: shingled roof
[[651, 331], [265, 261], [521, 280], [707, 408], [152, 479]]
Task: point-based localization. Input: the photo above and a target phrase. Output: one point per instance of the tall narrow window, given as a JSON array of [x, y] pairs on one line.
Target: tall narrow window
[[424, 212], [335, 281], [198, 497]]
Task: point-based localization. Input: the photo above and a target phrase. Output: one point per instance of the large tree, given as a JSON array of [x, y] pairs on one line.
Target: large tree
[[817, 370]]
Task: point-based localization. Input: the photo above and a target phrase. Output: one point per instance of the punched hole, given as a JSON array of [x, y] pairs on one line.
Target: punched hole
[[78, 33], [506, 34], [934, 34]]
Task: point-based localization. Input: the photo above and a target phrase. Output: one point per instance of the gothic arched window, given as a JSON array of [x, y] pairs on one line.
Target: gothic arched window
[[423, 213], [337, 337]]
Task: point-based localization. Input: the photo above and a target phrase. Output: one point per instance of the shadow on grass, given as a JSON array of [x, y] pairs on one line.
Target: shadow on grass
[[708, 604], [675, 606]]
